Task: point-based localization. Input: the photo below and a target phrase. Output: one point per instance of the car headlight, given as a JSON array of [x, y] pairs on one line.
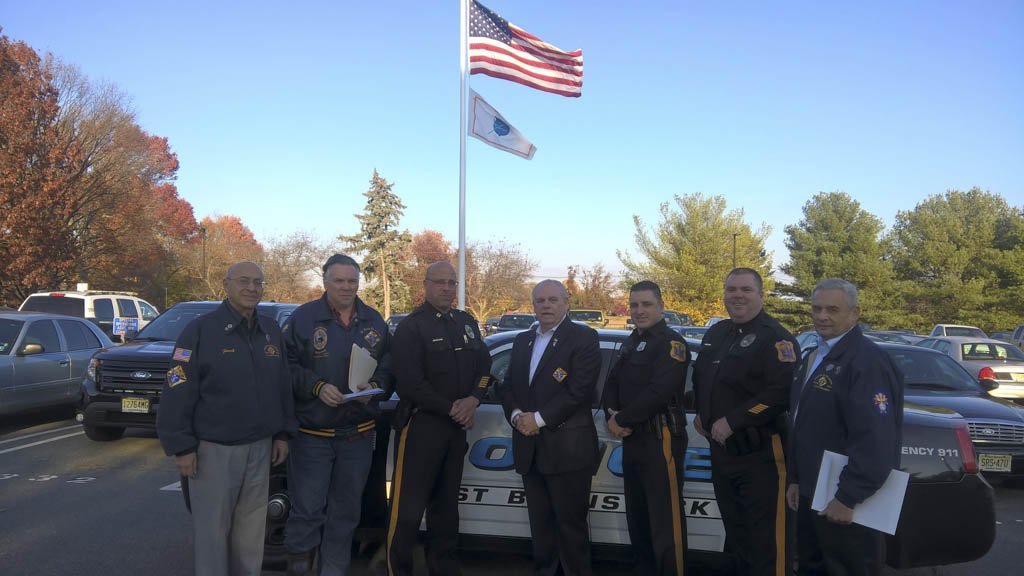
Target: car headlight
[[90, 372]]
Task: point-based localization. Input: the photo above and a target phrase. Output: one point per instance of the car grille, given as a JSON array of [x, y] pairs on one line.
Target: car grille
[[116, 376], [996, 432]]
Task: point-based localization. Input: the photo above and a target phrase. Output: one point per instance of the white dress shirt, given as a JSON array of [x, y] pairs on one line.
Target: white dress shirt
[[540, 344]]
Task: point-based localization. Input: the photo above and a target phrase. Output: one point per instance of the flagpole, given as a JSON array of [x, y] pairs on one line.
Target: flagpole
[[463, 49]]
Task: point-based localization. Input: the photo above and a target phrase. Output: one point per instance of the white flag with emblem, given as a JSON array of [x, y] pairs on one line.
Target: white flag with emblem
[[488, 125]]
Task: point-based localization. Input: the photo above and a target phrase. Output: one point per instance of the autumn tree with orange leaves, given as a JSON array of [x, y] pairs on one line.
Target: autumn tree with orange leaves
[[86, 194]]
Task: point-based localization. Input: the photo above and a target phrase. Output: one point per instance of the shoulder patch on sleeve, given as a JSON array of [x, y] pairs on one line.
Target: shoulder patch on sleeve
[[176, 376], [182, 355], [678, 351], [785, 350]]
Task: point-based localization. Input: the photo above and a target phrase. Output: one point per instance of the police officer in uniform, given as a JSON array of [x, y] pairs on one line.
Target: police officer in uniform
[[847, 398], [226, 416], [331, 456], [741, 382], [442, 367], [643, 403]]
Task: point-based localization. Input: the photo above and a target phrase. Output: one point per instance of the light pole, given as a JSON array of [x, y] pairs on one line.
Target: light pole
[[734, 235], [202, 230]]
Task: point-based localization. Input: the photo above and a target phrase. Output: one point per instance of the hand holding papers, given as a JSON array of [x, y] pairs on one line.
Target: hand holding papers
[[880, 511], [360, 369]]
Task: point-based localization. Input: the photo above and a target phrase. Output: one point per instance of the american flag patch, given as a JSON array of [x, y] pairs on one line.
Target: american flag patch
[[181, 355]]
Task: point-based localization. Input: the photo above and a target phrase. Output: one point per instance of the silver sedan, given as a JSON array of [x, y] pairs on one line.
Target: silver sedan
[[986, 359], [43, 358]]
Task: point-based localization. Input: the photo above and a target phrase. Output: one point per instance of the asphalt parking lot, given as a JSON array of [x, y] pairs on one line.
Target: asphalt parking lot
[[72, 506]]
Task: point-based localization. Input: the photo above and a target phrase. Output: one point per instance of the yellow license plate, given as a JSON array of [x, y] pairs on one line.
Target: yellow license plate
[[1018, 376], [994, 462], [140, 405]]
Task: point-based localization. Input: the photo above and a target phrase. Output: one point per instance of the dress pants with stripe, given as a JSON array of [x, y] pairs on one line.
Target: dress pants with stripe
[[751, 494], [428, 471], [652, 470]]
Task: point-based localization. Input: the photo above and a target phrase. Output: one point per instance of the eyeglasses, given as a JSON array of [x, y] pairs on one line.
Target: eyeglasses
[[448, 283], [256, 283]]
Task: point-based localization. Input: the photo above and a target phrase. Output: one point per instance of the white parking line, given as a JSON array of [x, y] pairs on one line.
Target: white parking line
[[40, 433], [176, 487], [48, 440]]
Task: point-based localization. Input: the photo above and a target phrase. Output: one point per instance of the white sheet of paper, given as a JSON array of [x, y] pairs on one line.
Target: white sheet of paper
[[360, 367], [880, 511], [368, 392]]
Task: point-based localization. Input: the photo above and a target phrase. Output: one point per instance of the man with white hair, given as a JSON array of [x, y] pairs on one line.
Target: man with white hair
[[847, 397], [548, 393]]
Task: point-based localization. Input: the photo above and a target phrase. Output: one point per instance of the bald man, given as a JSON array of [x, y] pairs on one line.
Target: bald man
[[442, 369], [226, 416]]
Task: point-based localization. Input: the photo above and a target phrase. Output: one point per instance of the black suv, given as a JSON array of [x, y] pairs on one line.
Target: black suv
[[122, 384]]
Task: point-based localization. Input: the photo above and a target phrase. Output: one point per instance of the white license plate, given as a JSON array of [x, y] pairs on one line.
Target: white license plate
[[994, 462], [139, 405]]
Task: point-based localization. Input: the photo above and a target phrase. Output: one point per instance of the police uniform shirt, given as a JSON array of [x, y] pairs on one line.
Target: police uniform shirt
[[744, 371], [649, 373], [440, 357]]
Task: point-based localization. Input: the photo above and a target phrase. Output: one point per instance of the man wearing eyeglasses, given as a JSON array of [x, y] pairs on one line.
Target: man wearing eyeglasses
[[226, 415], [442, 369], [331, 456]]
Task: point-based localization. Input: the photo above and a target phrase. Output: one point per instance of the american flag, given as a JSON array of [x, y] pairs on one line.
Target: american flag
[[503, 50]]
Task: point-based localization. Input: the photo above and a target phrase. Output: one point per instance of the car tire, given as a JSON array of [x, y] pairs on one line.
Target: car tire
[[103, 433]]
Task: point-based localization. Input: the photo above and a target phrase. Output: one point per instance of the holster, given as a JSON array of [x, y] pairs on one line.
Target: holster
[[675, 419], [403, 412]]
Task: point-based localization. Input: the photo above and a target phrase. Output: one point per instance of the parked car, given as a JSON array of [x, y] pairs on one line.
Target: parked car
[[393, 321], [43, 358], [986, 359], [894, 336], [491, 325], [956, 330], [592, 318], [948, 513], [116, 313], [514, 322], [1018, 337], [1004, 336], [122, 385], [692, 332], [714, 320], [996, 426], [673, 319]]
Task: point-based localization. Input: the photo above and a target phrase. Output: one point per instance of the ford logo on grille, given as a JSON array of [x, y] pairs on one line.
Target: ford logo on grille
[[988, 431], [141, 375]]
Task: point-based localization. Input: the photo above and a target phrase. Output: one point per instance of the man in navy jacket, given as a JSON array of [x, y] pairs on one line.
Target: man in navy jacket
[[847, 397]]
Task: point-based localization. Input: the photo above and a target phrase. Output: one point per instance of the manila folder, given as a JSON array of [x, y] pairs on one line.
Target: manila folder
[[360, 367]]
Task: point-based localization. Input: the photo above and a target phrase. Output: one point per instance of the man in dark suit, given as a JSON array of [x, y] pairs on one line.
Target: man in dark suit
[[547, 398]]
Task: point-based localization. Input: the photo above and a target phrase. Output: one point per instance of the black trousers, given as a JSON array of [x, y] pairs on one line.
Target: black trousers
[[428, 471], [558, 505], [751, 495], [652, 474], [827, 548]]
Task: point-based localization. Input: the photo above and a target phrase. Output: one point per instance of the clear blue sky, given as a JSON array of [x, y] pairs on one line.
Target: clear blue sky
[[279, 112]]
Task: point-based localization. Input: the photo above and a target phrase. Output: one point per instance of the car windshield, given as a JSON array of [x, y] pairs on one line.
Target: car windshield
[[585, 315], [9, 330], [964, 331], [990, 351], [923, 369], [671, 317], [168, 326], [516, 321], [55, 305]]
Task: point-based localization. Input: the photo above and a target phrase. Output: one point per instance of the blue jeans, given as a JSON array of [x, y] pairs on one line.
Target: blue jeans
[[326, 477]]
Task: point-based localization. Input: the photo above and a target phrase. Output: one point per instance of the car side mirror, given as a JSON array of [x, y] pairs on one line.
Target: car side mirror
[[129, 335], [988, 384], [31, 349]]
